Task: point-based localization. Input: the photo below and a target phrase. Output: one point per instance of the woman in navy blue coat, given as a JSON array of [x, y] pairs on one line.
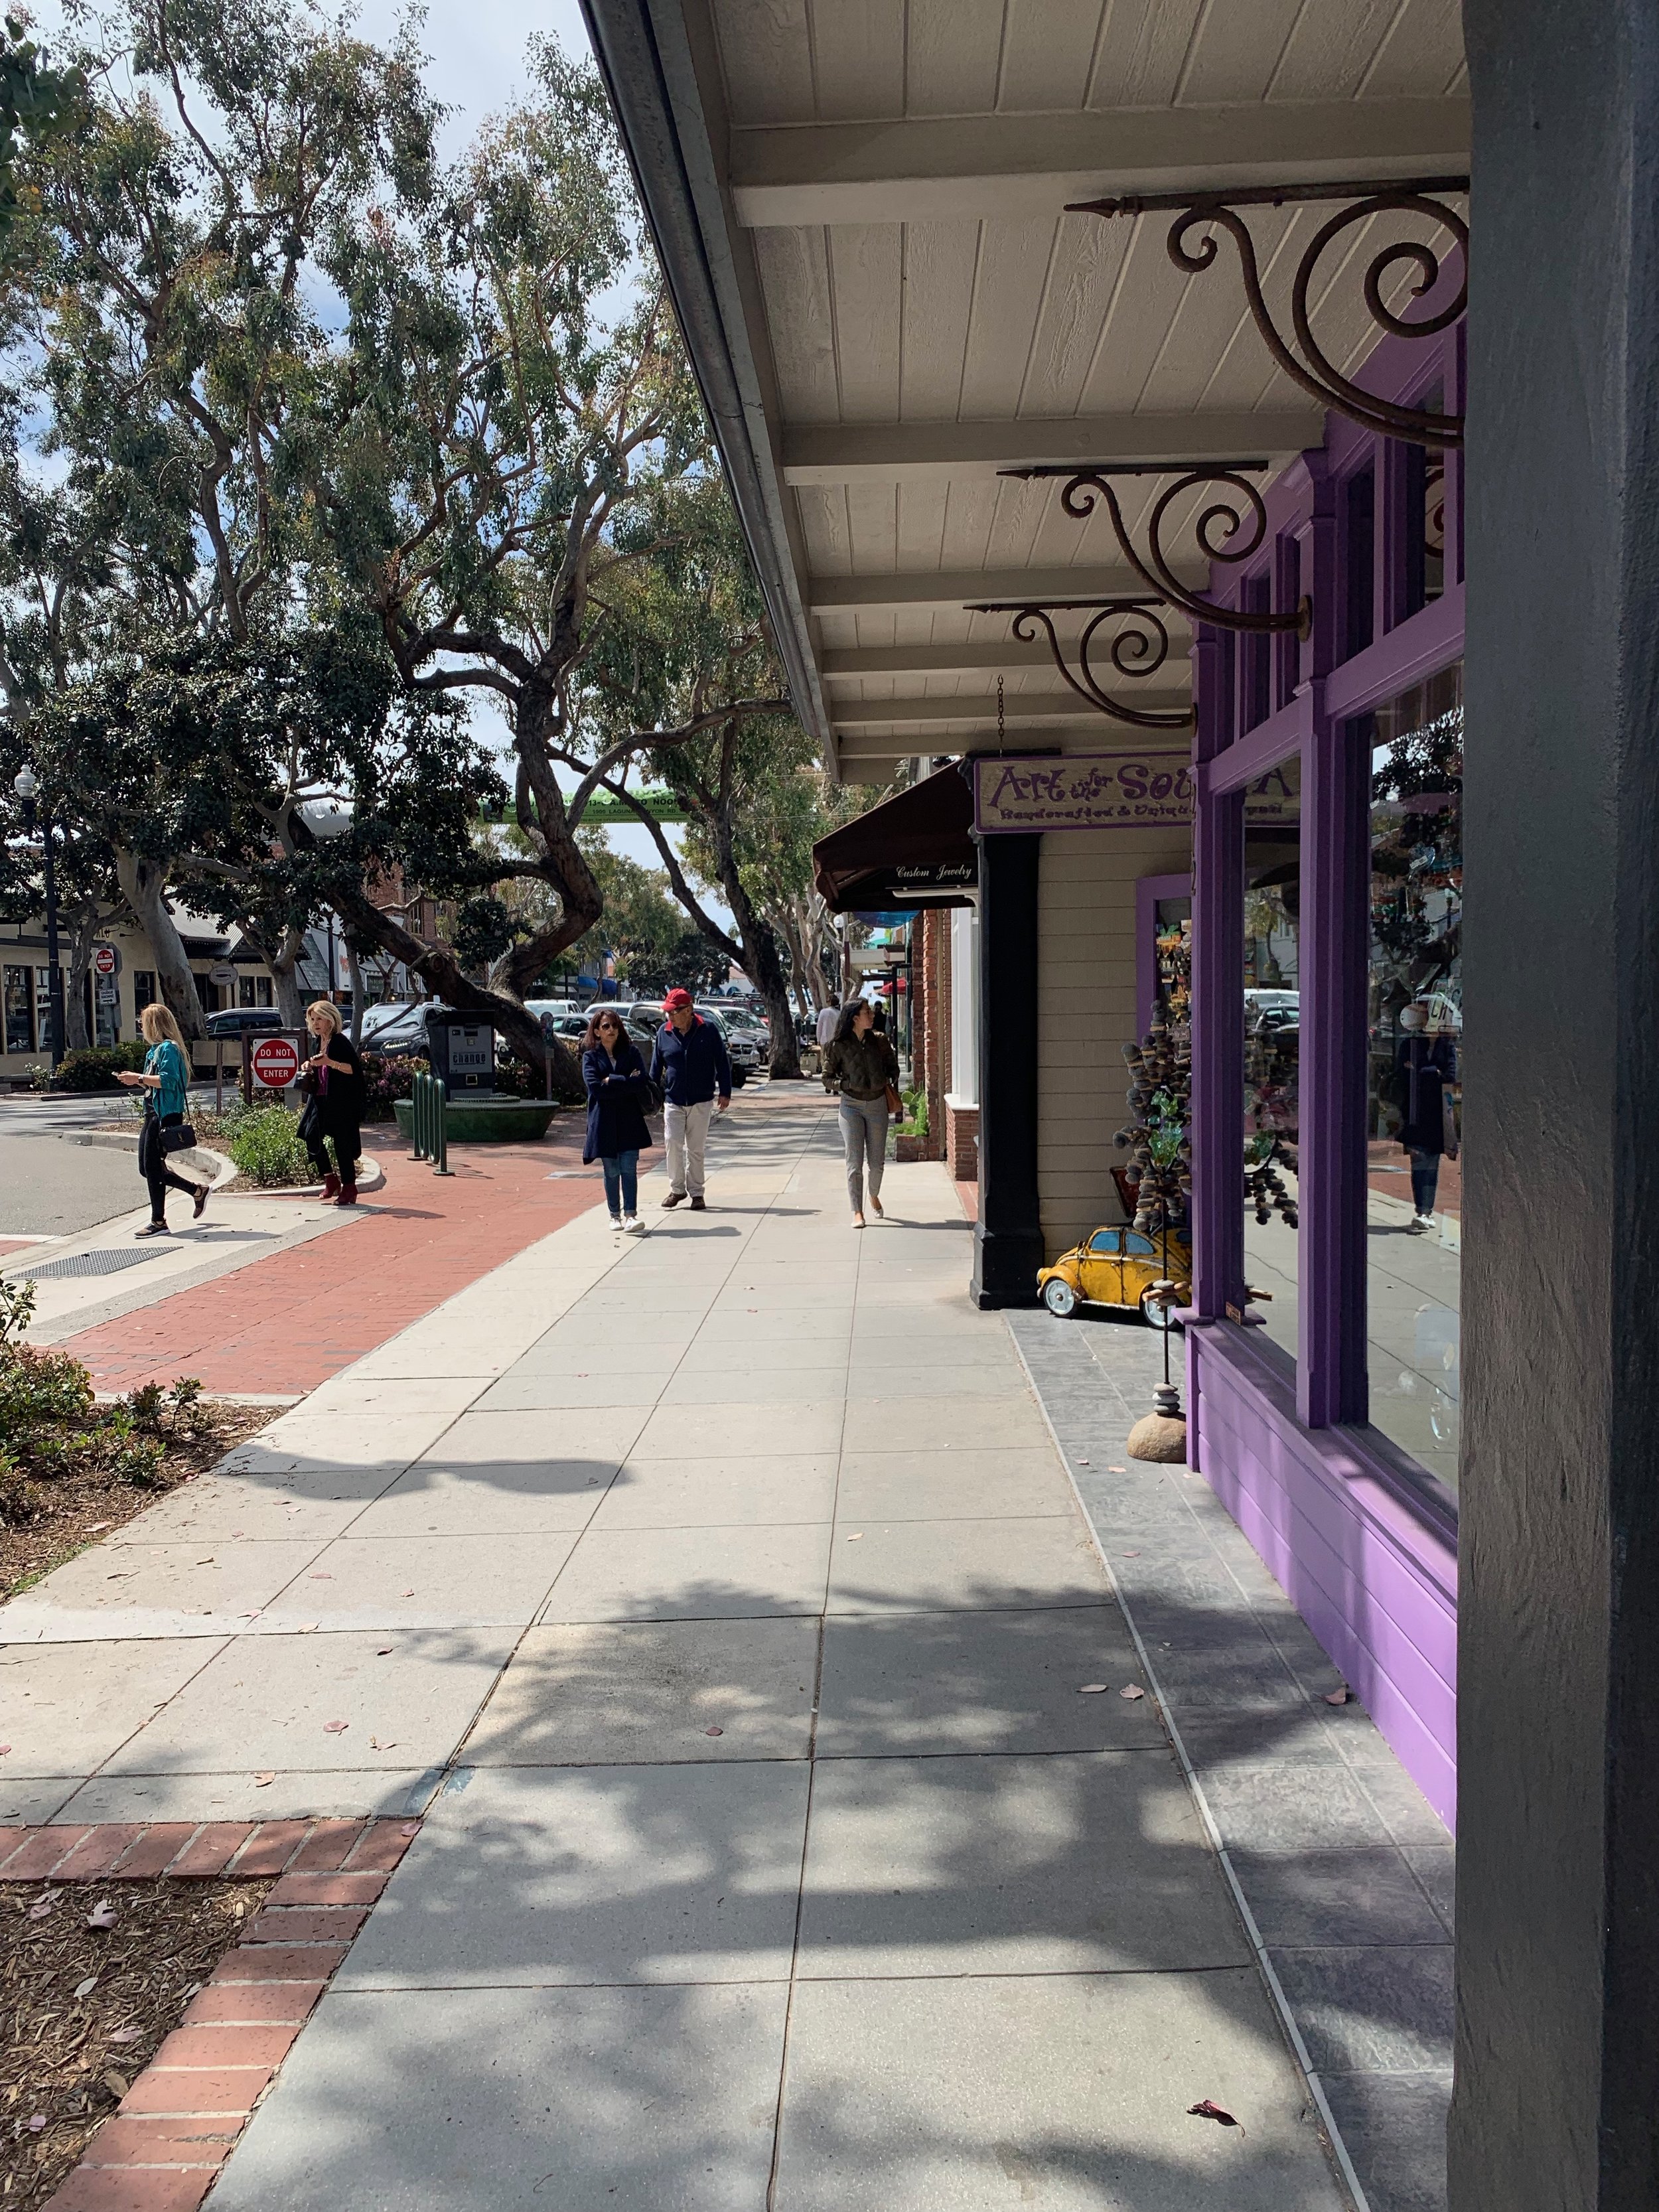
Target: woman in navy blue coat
[[618, 1089]]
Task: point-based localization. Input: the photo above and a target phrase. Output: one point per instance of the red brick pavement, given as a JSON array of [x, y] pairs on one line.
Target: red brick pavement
[[288, 1322]]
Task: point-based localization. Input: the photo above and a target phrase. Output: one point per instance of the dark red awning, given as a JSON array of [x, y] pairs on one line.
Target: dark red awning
[[915, 849]]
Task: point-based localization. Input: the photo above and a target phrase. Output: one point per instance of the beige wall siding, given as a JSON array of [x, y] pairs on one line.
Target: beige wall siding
[[1086, 1013]]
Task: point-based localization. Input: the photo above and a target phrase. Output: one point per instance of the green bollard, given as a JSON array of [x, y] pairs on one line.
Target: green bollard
[[417, 1104], [440, 1119]]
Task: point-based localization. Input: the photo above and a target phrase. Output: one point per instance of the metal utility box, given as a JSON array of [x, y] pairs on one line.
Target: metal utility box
[[463, 1054]]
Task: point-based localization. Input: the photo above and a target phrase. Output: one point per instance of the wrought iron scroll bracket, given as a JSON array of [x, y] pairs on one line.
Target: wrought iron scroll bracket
[[1139, 649], [1306, 362], [1231, 528]]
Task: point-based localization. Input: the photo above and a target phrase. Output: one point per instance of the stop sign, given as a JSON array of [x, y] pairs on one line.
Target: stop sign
[[275, 1063]]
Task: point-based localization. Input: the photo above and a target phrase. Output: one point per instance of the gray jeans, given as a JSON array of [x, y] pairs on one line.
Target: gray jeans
[[864, 1134]]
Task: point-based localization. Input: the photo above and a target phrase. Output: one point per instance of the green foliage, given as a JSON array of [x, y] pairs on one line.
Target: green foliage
[[17, 1302], [51, 1425], [915, 1113], [93, 1068], [35, 103], [387, 1078], [264, 1143]]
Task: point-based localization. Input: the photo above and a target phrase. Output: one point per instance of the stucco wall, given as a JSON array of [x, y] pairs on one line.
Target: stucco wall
[[1086, 1013]]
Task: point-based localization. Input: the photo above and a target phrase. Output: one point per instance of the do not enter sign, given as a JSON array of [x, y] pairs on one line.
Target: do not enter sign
[[275, 1063], [106, 961]]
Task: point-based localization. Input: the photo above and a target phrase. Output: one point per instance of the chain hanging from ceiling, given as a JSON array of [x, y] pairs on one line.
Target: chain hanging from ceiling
[[1137, 649], [1230, 529], [1206, 213]]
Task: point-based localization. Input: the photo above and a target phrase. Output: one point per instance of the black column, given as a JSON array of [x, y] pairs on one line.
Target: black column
[[1556, 2098], [1008, 1237]]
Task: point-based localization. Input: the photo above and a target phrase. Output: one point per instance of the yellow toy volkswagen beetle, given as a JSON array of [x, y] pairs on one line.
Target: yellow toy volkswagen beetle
[[1118, 1267]]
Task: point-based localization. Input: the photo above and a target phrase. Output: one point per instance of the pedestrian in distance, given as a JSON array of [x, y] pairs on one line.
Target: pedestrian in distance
[[690, 1065], [617, 1094], [863, 1068], [332, 1081], [824, 1030], [166, 1085]]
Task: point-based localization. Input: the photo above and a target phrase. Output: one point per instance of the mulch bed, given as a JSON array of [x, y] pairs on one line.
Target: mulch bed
[[83, 2009], [146, 2010], [76, 1509]]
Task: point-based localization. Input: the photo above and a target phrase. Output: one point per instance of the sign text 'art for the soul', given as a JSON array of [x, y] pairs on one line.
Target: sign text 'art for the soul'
[[1108, 791]]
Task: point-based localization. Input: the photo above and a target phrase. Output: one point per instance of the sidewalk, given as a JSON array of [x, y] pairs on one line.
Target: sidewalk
[[725, 1605]]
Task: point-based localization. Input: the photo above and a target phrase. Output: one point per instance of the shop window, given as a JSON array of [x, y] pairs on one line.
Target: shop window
[[42, 1009], [1172, 973], [143, 990], [1359, 508], [19, 1027], [105, 992], [262, 991], [1273, 1008], [1415, 1094]]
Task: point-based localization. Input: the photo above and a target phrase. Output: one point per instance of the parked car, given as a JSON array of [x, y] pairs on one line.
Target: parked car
[[1118, 1267], [238, 1021], [749, 1045], [405, 1031], [740, 1048], [641, 1018]]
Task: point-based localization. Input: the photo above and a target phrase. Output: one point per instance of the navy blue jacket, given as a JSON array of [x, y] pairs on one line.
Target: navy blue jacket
[[616, 1102], [689, 1069]]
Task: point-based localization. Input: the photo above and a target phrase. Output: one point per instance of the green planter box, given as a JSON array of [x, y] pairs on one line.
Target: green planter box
[[486, 1121]]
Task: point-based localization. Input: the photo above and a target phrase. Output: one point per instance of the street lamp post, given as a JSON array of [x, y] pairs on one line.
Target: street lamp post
[[24, 783]]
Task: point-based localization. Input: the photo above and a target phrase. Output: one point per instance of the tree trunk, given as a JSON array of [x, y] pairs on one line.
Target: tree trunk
[[77, 1033], [284, 966], [438, 967], [144, 887]]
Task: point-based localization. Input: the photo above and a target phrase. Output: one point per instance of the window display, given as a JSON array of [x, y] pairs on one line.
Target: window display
[[1273, 1002], [20, 1036], [1414, 1105]]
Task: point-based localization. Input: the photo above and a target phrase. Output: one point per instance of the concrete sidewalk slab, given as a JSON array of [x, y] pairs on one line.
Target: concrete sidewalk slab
[[642, 1693], [543, 1876], [725, 1573]]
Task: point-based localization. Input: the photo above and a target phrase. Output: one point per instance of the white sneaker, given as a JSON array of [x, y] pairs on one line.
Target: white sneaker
[[1421, 1224], [633, 1226], [616, 1221]]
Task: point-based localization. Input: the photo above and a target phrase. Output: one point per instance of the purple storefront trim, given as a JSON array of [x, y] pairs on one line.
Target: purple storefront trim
[[1366, 1548], [1373, 1575], [1149, 890]]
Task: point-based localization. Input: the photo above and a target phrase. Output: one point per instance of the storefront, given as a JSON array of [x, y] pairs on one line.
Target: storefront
[[1323, 1352]]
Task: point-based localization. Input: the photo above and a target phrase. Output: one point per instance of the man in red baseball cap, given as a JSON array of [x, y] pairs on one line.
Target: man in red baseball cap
[[691, 1068]]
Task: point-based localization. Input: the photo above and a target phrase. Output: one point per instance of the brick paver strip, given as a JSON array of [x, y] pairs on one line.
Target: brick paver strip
[[271, 1849], [42, 1852], [212, 1848], [162, 2150], [131, 2188], [98, 1852], [209, 2043], [291, 1321], [144, 2139], [254, 2004], [328, 1847], [155, 1850], [320, 1923], [214, 2090], [383, 1846], [326, 1889]]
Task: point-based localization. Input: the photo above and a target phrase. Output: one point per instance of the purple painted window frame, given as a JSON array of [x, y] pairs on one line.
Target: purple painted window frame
[[1149, 890], [1362, 1538]]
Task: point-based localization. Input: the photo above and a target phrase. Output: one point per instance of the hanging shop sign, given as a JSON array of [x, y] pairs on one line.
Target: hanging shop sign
[[1089, 791], [1109, 790]]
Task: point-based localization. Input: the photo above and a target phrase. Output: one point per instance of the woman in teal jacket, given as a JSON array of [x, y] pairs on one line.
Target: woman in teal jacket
[[165, 1082]]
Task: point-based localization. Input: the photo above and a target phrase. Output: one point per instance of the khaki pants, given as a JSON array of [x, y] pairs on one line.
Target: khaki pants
[[685, 1134]]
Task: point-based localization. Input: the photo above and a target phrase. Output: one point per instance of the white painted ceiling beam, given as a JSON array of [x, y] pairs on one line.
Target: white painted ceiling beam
[[847, 663], [943, 168], [962, 587], [903, 452], [1023, 708]]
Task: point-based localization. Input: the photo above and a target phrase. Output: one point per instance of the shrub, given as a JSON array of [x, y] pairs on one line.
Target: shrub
[[94, 1069], [388, 1078], [264, 1143]]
